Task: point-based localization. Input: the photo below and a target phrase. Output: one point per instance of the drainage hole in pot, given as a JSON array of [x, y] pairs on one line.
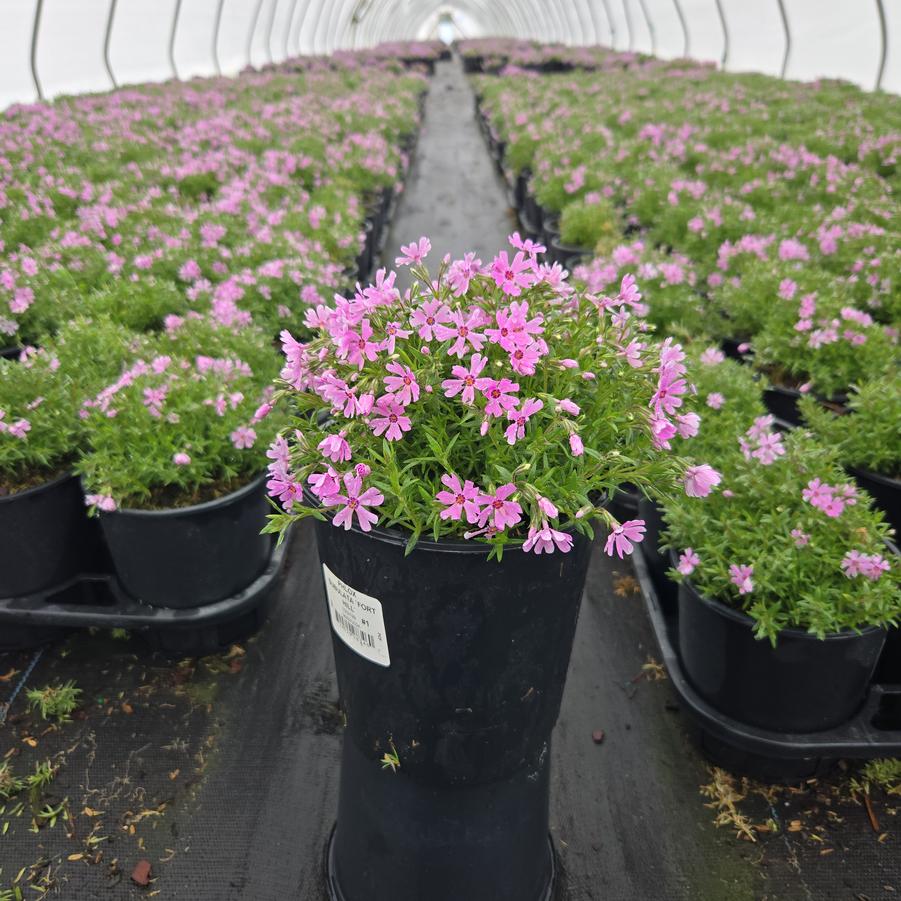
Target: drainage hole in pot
[[888, 716]]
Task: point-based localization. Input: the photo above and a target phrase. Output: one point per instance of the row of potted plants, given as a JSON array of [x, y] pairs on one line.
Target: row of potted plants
[[509, 55], [776, 244], [153, 243], [780, 252]]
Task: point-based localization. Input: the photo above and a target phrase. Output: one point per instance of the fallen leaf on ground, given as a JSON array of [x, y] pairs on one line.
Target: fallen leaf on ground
[[140, 875], [625, 586]]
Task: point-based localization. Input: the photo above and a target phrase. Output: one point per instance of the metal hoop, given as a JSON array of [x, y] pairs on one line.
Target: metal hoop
[[35, 28], [111, 15], [217, 24]]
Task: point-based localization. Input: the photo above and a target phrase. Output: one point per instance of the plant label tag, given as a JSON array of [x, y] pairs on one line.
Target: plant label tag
[[356, 619]]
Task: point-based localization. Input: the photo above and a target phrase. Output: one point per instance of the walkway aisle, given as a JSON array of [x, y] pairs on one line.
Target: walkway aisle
[[454, 196]]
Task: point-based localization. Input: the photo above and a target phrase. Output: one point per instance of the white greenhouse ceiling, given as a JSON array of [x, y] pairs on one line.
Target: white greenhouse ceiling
[[87, 45]]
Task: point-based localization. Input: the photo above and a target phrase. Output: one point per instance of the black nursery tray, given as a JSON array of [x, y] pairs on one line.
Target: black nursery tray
[[98, 600], [875, 731]]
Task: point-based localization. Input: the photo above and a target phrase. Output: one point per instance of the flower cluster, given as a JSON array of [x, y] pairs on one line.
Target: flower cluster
[[785, 542], [831, 499], [110, 262], [761, 442], [489, 400]]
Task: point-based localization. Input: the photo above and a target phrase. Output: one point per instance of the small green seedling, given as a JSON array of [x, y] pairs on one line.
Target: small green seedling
[[10, 784], [55, 701], [44, 773], [886, 773], [391, 760]]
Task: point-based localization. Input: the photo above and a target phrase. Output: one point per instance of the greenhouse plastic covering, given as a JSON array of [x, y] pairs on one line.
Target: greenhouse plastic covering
[[54, 47]]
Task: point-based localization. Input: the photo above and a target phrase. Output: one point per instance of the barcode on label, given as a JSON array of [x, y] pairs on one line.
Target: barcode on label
[[365, 637], [356, 619]]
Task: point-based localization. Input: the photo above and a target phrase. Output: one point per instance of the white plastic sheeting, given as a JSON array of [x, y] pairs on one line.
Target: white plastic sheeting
[[831, 38]]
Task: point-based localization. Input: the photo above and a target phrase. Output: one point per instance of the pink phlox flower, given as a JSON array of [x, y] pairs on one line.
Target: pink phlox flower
[[355, 501], [402, 385], [279, 452], [769, 448], [414, 253], [518, 419], [463, 331], [713, 356], [525, 244], [356, 346], [154, 398], [335, 448], [554, 276], [715, 400], [544, 540], [740, 576], [296, 368], [284, 487], [628, 291], [688, 424], [567, 406], [428, 316], [498, 510], [101, 501], [700, 480], [547, 507], [523, 360], [667, 398], [499, 395], [459, 499], [181, 459], [461, 272], [632, 352], [511, 276], [19, 429], [382, 293], [688, 560], [787, 289], [509, 333], [662, 431], [576, 446], [325, 484], [465, 380], [800, 537], [389, 419], [393, 331], [243, 437], [831, 499], [623, 537]]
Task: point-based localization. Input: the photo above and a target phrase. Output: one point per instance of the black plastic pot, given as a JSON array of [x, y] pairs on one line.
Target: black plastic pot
[[567, 255], [802, 685], [472, 64], [624, 503], [10, 353], [520, 188], [550, 232], [532, 212], [365, 256], [47, 537], [886, 492], [190, 556], [730, 348], [783, 404], [657, 561], [890, 663], [466, 692]]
